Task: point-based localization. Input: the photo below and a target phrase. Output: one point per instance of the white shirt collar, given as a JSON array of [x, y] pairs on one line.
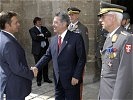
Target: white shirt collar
[[63, 35], [74, 23], [9, 33], [127, 26], [112, 33], [38, 27]]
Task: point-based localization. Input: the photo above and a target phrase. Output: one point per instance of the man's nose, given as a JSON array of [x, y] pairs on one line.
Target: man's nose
[[100, 19], [53, 24]]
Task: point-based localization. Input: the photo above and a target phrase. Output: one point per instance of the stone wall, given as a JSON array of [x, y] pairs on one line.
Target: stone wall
[[28, 9]]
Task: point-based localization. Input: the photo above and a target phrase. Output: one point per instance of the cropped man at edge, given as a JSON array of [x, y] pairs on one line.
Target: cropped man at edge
[[117, 64], [15, 75]]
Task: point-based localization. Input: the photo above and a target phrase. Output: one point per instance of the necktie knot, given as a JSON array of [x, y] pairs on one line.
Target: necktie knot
[[59, 37]]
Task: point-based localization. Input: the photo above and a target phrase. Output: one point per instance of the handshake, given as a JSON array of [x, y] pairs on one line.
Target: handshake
[[35, 71]]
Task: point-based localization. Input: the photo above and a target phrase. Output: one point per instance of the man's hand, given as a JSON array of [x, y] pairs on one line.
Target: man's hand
[[35, 71], [74, 81], [41, 35]]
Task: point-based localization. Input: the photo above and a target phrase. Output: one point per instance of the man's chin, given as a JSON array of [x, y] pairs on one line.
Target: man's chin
[[55, 31], [103, 27]]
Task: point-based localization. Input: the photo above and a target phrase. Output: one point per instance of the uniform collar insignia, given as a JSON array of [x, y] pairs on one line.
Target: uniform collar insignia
[[114, 38]]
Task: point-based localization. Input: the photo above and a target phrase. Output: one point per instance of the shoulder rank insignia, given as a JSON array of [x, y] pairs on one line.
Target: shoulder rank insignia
[[123, 33], [114, 38]]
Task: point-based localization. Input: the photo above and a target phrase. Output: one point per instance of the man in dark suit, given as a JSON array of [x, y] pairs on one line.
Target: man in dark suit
[[40, 43], [67, 52], [77, 27], [15, 75], [116, 74], [126, 23]]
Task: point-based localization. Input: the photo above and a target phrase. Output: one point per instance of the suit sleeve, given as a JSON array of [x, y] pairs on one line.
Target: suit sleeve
[[124, 78], [80, 51], [17, 61], [44, 59]]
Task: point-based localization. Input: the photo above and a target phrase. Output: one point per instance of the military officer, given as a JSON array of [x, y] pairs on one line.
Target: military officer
[[126, 23], [76, 26], [116, 75]]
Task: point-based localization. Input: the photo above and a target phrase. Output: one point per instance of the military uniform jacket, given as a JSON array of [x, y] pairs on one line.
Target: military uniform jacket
[[116, 75], [130, 29], [81, 29]]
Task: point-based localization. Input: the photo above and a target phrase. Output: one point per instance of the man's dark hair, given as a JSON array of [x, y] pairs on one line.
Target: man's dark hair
[[36, 19], [5, 17], [126, 15], [64, 17]]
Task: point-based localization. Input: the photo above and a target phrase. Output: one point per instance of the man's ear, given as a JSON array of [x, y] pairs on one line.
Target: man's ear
[[64, 24], [7, 25]]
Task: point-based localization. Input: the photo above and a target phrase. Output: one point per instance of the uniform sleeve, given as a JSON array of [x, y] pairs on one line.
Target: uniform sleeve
[[123, 86], [84, 34]]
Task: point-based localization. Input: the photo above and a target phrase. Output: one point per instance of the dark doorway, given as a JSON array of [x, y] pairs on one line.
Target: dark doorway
[[126, 3]]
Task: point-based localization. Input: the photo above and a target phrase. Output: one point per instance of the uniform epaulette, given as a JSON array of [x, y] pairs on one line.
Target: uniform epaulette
[[123, 33]]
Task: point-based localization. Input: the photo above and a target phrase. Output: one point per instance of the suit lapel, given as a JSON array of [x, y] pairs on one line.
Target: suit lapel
[[55, 42], [79, 24], [38, 30], [65, 41]]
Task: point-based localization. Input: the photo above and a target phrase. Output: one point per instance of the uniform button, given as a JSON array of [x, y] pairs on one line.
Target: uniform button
[[101, 76], [102, 69]]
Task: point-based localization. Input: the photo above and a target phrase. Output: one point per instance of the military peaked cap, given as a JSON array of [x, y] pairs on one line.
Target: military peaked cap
[[107, 7], [73, 10]]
